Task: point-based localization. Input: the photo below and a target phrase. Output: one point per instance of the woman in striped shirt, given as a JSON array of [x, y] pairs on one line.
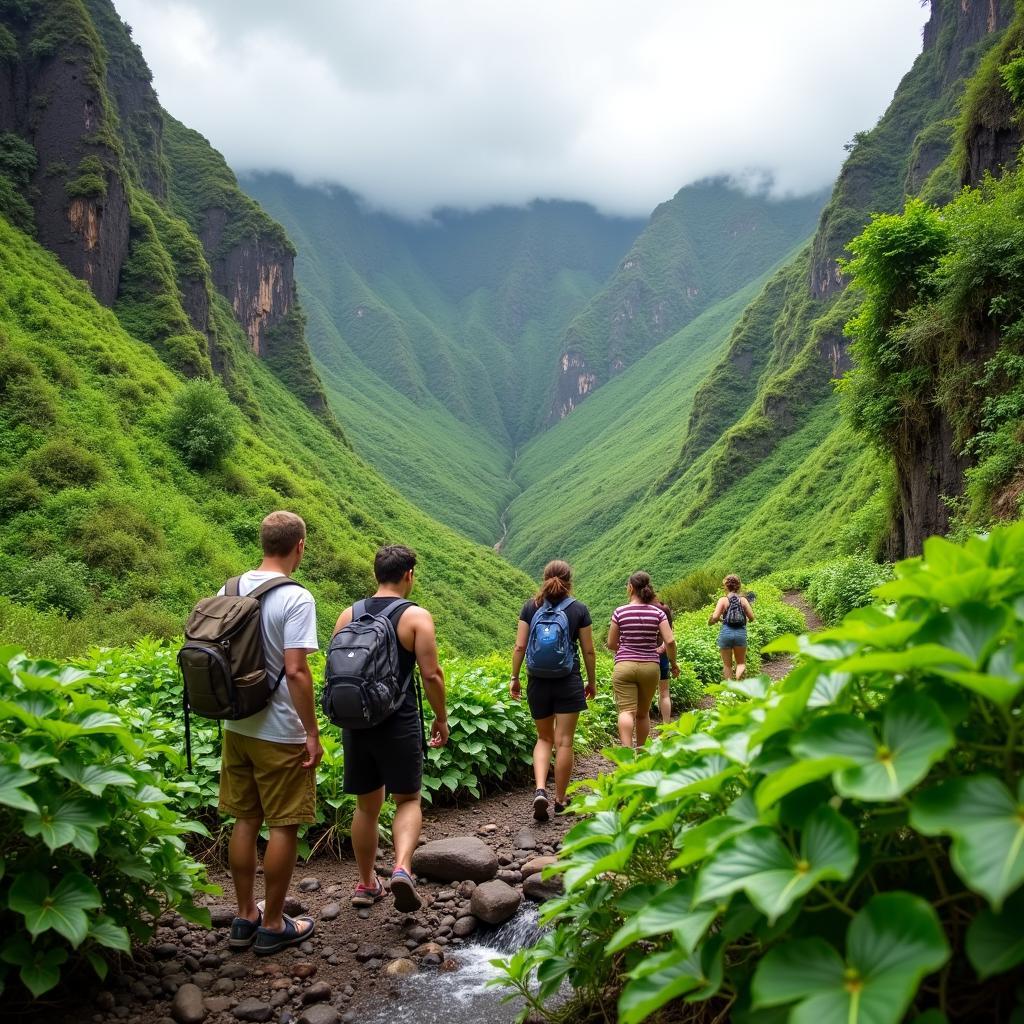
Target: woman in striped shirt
[[637, 630]]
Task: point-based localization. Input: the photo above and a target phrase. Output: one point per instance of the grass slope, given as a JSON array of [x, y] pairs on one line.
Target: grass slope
[[94, 495]]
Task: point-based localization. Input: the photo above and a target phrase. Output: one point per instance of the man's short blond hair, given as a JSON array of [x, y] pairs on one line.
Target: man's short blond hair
[[280, 532]]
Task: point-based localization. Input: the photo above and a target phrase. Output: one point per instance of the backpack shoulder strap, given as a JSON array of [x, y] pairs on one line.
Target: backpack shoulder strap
[[273, 584], [358, 610], [564, 603], [231, 587]]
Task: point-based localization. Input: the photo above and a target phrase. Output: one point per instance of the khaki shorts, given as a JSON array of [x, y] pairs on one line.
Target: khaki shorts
[[635, 683], [260, 779]]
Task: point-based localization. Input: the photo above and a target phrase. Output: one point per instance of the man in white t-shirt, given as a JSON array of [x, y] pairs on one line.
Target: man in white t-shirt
[[268, 764]]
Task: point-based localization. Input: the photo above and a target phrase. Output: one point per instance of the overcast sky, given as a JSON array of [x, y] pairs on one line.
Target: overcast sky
[[416, 104]]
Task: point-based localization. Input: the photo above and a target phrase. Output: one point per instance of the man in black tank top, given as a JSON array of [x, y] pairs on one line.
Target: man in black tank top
[[388, 758]]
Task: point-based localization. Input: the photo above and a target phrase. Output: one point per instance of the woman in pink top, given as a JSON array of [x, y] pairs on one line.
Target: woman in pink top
[[637, 630]]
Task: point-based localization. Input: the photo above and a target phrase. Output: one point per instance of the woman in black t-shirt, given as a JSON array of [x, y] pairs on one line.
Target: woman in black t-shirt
[[555, 704]]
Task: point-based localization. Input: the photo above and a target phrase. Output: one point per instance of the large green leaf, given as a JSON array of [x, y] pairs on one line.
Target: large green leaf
[[972, 630], [12, 783], [995, 941], [987, 826], [673, 910], [669, 975], [105, 932], [40, 968], [890, 946], [1001, 681], [778, 784], [93, 778], [915, 734], [71, 821], [772, 877], [63, 910]]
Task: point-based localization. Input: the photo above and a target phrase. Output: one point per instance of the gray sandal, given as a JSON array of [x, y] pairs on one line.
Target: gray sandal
[[268, 942]]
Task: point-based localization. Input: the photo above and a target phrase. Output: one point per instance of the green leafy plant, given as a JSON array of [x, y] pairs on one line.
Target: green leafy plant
[[94, 846], [202, 425], [839, 586], [844, 846]]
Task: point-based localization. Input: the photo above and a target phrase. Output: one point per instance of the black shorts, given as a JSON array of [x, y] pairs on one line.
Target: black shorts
[[548, 697], [388, 755]]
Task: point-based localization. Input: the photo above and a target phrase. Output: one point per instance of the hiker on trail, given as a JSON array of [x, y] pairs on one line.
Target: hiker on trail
[[637, 630], [268, 763], [664, 694], [553, 628], [387, 757], [734, 612]]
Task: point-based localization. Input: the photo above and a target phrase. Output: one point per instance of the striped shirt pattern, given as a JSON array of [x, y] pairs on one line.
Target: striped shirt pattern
[[639, 631]]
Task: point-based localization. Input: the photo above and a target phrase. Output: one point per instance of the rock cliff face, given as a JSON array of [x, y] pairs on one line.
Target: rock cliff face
[[254, 274], [54, 101], [78, 89]]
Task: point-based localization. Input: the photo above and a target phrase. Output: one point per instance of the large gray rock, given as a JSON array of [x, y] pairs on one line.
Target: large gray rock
[[253, 1009], [456, 860], [494, 902], [538, 890], [319, 1013], [187, 1006]]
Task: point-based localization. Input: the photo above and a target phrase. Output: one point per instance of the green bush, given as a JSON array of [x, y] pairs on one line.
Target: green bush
[[93, 844], [839, 586], [18, 491], [693, 591], [90, 181], [203, 424], [52, 582], [844, 845], [62, 462]]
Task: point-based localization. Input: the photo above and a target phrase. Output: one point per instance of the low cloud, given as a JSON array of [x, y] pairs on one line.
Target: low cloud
[[416, 104]]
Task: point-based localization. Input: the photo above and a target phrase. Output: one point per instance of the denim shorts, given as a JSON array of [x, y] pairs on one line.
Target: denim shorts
[[732, 636]]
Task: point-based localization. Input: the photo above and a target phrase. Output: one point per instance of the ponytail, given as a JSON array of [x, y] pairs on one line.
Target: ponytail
[[557, 583], [641, 583]]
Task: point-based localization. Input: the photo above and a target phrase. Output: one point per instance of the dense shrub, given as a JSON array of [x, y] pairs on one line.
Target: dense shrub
[[844, 846], [203, 424], [18, 491], [839, 586], [52, 582], [693, 591], [93, 841], [62, 462]]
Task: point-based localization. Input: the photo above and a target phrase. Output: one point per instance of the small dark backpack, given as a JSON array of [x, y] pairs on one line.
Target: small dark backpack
[[550, 651], [363, 684], [222, 660], [735, 616]]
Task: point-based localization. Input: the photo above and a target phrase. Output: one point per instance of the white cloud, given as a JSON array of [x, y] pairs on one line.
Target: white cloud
[[421, 103]]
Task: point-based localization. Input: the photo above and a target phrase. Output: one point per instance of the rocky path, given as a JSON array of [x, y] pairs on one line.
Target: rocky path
[[490, 862], [779, 667]]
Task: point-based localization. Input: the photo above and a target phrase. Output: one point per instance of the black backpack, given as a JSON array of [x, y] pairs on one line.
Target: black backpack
[[363, 684], [222, 661], [734, 616]]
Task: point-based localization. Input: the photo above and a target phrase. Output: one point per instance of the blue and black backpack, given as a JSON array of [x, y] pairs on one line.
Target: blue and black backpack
[[550, 650]]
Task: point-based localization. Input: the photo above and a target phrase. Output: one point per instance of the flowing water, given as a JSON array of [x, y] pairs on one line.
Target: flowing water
[[461, 996]]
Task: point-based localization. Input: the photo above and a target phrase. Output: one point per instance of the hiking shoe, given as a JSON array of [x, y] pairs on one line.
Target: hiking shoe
[[540, 805], [559, 808], [367, 895], [403, 888], [243, 931], [268, 942]]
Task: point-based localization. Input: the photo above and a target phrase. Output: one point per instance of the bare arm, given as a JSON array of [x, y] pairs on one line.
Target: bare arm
[[719, 611], [300, 688], [589, 659], [431, 673], [748, 611], [612, 643], [518, 653], [669, 640], [343, 620]]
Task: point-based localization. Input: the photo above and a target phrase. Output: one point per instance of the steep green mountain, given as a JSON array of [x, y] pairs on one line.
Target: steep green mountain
[[764, 470], [441, 344], [183, 332], [698, 248]]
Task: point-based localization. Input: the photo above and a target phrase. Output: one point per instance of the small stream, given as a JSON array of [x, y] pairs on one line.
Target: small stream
[[461, 996]]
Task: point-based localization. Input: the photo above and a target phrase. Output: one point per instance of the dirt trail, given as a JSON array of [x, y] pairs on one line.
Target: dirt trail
[[779, 667], [344, 966]]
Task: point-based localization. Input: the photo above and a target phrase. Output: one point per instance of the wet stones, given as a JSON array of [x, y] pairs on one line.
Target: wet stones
[[494, 902], [538, 890], [455, 860]]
